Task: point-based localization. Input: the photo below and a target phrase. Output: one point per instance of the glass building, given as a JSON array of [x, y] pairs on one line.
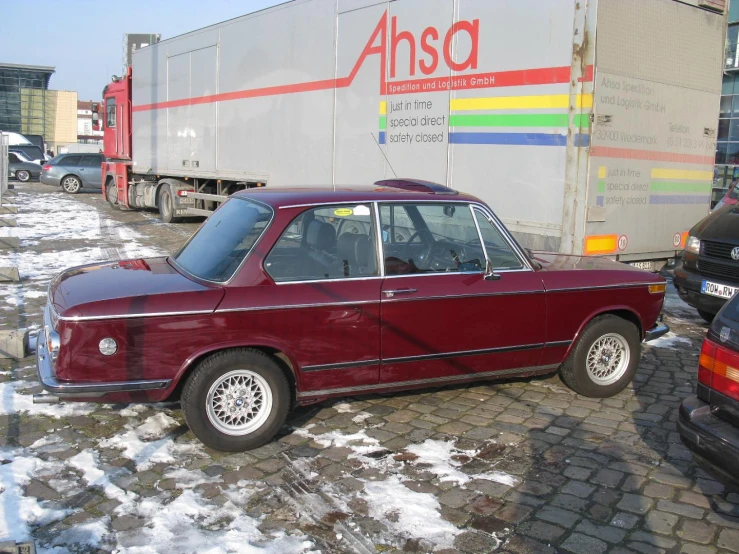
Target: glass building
[[727, 146], [22, 102]]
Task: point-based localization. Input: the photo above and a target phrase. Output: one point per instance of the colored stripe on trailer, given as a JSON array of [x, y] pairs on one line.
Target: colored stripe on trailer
[[602, 172], [581, 120], [679, 199], [670, 186], [543, 102], [516, 139], [599, 200], [383, 122], [381, 138], [600, 244], [509, 120], [601, 185], [682, 174], [383, 108], [650, 155]]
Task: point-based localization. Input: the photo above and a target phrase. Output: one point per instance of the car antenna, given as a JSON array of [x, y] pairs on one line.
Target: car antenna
[[384, 156]]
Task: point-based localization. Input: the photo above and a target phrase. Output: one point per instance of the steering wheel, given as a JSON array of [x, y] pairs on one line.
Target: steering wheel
[[425, 254]]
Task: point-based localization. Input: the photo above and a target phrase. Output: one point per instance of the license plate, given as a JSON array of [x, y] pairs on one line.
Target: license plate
[[721, 291], [649, 266], [185, 200], [182, 211]]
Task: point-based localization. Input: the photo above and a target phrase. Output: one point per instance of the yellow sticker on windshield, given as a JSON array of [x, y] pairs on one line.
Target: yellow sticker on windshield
[[343, 212]]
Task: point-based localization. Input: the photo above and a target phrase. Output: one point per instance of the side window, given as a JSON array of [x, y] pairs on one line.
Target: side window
[[13, 158], [430, 238], [70, 160], [498, 250], [91, 161], [330, 242], [110, 113]]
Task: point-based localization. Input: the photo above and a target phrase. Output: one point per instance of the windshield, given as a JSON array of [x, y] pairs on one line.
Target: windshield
[[216, 251]]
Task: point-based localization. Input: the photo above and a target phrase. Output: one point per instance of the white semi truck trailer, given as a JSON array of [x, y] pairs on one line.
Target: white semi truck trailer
[[588, 125]]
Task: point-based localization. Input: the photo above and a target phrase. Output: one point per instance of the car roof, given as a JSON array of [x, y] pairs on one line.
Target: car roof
[[284, 197]]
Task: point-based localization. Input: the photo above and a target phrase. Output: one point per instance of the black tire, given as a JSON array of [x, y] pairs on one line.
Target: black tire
[[166, 205], [196, 400], [574, 371], [23, 176], [111, 193], [707, 316], [71, 184]]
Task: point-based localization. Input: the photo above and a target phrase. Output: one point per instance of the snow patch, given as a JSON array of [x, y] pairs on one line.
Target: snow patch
[[14, 401], [669, 340]]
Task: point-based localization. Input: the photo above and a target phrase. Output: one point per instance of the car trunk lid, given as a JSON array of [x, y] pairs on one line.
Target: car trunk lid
[[130, 288]]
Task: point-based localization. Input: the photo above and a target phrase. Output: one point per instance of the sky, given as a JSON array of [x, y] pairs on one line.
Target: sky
[[83, 39]]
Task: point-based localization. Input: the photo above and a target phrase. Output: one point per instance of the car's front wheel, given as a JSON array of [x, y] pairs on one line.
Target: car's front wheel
[[71, 184], [605, 358], [23, 176], [236, 400]]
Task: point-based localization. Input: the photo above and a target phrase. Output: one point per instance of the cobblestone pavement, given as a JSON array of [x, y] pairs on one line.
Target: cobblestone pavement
[[516, 466]]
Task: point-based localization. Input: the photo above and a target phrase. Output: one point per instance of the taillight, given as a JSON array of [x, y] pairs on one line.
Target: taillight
[[46, 167], [719, 369], [183, 192]]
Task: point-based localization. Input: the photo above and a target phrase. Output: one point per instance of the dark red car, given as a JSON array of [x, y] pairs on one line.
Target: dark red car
[[291, 296]]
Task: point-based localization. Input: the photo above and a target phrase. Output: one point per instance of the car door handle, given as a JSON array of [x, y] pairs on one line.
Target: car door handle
[[391, 293]]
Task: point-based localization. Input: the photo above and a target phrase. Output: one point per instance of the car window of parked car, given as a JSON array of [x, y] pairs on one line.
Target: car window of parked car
[[330, 242], [91, 161], [430, 238], [498, 250], [13, 158], [70, 160], [216, 251]]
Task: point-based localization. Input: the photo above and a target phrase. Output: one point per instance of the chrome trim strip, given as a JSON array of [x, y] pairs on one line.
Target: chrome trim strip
[[557, 343], [126, 316], [369, 193], [437, 273], [461, 353], [614, 286], [342, 365], [48, 379], [452, 296], [338, 279], [297, 306], [440, 380]]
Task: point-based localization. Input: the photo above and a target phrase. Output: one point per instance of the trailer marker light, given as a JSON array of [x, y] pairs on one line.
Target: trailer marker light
[[183, 192], [601, 244]]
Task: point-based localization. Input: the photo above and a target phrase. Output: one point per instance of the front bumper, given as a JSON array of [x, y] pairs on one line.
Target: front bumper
[[84, 389], [688, 285], [656, 332], [715, 442]]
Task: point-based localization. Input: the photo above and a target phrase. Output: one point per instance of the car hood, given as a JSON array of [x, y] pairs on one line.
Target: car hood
[[721, 225], [129, 288], [563, 271]]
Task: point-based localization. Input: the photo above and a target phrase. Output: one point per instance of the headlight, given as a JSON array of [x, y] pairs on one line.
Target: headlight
[[693, 245]]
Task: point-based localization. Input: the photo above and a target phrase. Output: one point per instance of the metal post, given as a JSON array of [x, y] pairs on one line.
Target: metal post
[[4, 163]]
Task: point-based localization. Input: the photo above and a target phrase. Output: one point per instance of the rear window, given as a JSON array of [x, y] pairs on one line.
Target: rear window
[[731, 311], [216, 251]]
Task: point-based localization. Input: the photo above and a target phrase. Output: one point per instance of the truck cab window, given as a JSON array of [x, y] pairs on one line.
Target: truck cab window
[[110, 113]]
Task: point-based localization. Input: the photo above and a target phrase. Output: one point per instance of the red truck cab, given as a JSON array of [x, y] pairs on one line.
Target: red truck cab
[[117, 140]]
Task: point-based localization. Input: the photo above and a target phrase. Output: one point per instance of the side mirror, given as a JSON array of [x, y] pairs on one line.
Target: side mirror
[[490, 275], [449, 211]]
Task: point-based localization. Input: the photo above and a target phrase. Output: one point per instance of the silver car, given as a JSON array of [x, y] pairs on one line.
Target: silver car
[[74, 172]]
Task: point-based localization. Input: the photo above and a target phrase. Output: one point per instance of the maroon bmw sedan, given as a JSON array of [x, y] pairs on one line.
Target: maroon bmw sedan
[[291, 296]]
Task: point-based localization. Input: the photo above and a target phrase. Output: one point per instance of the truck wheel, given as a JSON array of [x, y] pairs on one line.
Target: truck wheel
[[605, 358], [707, 316], [23, 176], [111, 194], [166, 205], [71, 184], [236, 400]]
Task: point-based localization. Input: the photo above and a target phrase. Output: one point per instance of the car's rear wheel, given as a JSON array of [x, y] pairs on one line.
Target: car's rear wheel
[[23, 176], [71, 184], [605, 358], [707, 316], [236, 400], [111, 193], [166, 205]]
